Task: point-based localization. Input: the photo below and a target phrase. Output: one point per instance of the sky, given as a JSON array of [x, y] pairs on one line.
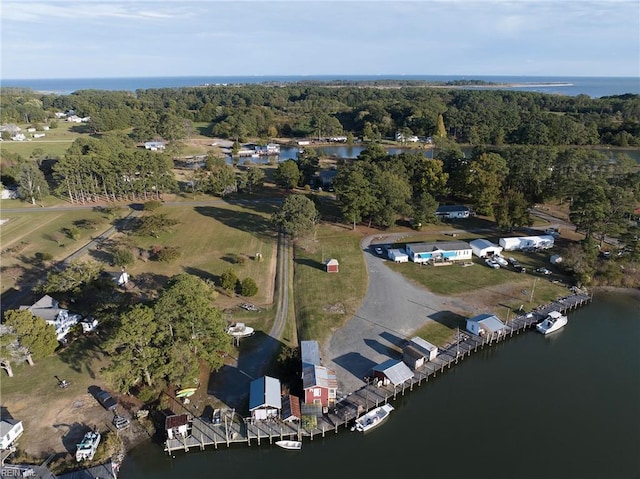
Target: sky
[[149, 38]]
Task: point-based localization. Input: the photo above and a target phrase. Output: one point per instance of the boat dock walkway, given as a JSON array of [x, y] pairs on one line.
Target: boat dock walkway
[[233, 428]]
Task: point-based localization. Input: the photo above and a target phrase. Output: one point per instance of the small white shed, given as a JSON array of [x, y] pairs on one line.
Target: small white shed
[[483, 248], [398, 256]]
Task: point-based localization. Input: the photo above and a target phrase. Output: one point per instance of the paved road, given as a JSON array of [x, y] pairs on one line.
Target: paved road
[[392, 310]]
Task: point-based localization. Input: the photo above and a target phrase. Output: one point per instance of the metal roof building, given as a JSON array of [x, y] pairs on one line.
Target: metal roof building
[[485, 324], [395, 371], [264, 397], [310, 353]]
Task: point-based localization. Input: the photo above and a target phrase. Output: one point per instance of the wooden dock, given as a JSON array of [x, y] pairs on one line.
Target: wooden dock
[[232, 428]]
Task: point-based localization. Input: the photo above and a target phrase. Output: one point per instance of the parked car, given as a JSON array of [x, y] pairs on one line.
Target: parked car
[[120, 422], [491, 263], [378, 250], [543, 271], [500, 260], [106, 400]]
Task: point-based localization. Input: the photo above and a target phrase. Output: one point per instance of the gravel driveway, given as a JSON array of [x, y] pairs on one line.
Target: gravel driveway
[[392, 310]]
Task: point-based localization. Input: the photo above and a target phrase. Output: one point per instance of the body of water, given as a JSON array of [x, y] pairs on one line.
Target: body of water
[[564, 406], [592, 86]]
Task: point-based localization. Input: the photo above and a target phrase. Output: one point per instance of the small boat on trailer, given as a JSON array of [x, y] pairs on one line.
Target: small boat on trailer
[[553, 322], [240, 330], [373, 418], [291, 445]]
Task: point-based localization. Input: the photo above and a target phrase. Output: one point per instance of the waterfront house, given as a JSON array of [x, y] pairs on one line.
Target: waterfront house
[[326, 178], [265, 400], [483, 248], [332, 266], [453, 211], [10, 430], [485, 325], [177, 426], [438, 252], [392, 371], [320, 385], [49, 309], [417, 351]]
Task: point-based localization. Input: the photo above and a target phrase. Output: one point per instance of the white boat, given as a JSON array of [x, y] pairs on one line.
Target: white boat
[[552, 322], [240, 330], [373, 418], [292, 445], [87, 448], [500, 260]]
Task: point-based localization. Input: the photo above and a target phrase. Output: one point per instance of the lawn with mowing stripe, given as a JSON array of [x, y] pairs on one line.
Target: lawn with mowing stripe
[[325, 301]]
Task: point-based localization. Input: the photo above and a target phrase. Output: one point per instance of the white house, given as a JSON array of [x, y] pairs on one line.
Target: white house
[[154, 145], [524, 242], [19, 137], [453, 211], [397, 256], [38, 135], [10, 430], [48, 309], [265, 400], [429, 350], [483, 248], [438, 251], [485, 325]]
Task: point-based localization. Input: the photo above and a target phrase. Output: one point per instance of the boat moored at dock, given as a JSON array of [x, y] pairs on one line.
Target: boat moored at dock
[[291, 445], [87, 448], [553, 322], [373, 418]]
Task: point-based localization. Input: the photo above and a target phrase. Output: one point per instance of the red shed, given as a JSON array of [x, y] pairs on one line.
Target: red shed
[[332, 266]]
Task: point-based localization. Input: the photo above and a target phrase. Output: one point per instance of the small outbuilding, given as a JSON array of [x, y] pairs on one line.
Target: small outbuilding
[[398, 256], [392, 371], [291, 408], [332, 266], [483, 248], [485, 325], [430, 351], [177, 426]]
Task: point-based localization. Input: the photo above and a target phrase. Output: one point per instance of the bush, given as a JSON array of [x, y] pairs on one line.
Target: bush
[[72, 232], [168, 253], [123, 257], [228, 280], [42, 257], [248, 287], [152, 205]]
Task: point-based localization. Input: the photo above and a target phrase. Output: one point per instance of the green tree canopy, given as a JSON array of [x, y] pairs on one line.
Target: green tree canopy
[[33, 333], [297, 216], [287, 175]]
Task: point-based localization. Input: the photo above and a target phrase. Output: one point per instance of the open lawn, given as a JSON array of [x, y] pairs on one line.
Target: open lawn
[[324, 301], [25, 237], [214, 238]]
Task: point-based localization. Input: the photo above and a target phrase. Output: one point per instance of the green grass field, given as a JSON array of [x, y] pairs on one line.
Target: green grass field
[[54, 144], [324, 301]]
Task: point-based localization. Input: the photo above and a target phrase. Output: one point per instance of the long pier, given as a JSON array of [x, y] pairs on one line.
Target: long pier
[[233, 428]]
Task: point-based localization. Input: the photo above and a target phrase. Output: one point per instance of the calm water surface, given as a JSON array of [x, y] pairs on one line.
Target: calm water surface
[[566, 406]]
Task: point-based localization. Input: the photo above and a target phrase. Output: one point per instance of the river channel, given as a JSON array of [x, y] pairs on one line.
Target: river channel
[[565, 406]]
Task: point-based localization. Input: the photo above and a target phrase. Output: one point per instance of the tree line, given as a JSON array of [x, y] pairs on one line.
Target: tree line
[[477, 117]]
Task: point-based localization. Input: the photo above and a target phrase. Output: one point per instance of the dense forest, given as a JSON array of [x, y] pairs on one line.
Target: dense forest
[[477, 117]]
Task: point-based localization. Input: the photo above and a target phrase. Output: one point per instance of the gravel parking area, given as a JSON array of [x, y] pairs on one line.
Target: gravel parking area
[[392, 310]]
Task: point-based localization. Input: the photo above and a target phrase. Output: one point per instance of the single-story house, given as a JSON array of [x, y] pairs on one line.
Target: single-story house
[[154, 145], [39, 135], [524, 242], [417, 351], [264, 398], [309, 353], [397, 256], [177, 426], [483, 248], [485, 325], [332, 266], [291, 408], [10, 430], [392, 371], [320, 386], [438, 251], [453, 211]]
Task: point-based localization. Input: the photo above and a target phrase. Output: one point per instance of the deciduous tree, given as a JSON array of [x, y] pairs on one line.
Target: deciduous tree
[[33, 333], [297, 216]]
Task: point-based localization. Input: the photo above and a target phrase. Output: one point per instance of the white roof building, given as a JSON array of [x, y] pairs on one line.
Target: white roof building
[[485, 325]]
